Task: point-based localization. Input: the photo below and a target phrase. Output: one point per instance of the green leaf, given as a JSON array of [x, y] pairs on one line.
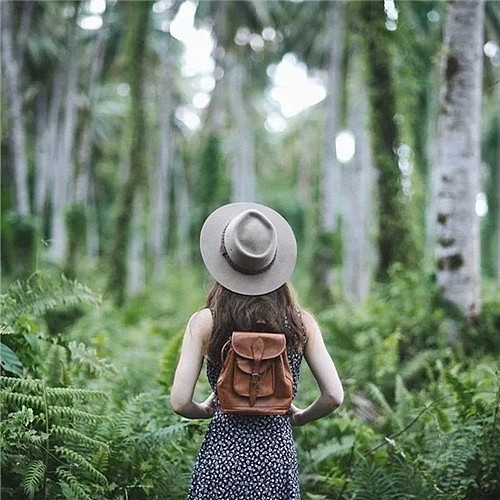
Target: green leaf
[[9, 361]]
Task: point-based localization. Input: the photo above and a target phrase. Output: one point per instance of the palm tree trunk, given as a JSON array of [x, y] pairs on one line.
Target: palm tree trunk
[[327, 247], [330, 186], [160, 183], [135, 130], [136, 276], [357, 200], [395, 238], [84, 149], [458, 246], [12, 76], [182, 214], [243, 176], [64, 164]]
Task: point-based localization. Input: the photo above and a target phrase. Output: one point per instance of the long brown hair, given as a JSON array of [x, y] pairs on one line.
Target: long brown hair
[[276, 312]]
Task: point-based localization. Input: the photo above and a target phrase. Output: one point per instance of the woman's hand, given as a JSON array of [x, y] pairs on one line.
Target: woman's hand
[[296, 416], [208, 405]]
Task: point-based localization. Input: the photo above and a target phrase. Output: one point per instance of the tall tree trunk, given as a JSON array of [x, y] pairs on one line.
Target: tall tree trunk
[[64, 161], [136, 275], [330, 186], [82, 195], [395, 242], [85, 146], [13, 91], [182, 211], [357, 200], [160, 182], [243, 174], [458, 246], [135, 53], [327, 248], [47, 125]]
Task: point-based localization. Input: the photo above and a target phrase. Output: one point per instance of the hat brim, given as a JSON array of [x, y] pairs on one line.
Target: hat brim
[[256, 284]]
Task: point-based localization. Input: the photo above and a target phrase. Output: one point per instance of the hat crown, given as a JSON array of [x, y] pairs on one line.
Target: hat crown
[[248, 248], [250, 242]]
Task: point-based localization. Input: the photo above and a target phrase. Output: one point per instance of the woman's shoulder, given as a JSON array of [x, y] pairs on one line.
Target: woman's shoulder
[[307, 316], [201, 323], [308, 320]]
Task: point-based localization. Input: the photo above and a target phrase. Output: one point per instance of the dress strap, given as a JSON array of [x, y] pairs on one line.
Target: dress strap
[[304, 334]]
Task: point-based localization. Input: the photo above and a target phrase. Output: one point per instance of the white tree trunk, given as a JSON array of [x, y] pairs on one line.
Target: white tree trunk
[[331, 172], [47, 139], [182, 211], [84, 152], [136, 277], [12, 78], [160, 182], [243, 174], [458, 245], [357, 200], [64, 162]]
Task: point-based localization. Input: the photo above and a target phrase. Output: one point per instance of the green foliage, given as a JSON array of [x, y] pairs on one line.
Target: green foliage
[[420, 413], [40, 293], [75, 220], [20, 237], [46, 437], [24, 341], [9, 361], [169, 361], [420, 418], [151, 452], [400, 329]]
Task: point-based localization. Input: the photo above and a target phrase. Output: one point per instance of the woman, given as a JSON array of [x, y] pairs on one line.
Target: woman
[[250, 251]]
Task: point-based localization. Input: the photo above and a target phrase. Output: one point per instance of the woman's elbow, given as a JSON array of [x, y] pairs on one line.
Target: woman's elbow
[[178, 404], [335, 398]]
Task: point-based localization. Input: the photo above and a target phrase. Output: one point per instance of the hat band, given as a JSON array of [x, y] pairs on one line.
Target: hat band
[[235, 266]]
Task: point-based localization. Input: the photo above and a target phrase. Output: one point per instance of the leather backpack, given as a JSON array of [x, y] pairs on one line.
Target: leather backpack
[[255, 378]]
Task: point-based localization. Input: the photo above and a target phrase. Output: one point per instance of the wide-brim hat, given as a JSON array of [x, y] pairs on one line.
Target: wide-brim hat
[[248, 248]]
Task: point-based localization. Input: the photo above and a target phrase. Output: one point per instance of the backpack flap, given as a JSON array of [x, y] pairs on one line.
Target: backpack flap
[[273, 344]]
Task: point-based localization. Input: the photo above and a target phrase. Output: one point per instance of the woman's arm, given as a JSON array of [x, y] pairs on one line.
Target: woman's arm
[[325, 373], [188, 369]]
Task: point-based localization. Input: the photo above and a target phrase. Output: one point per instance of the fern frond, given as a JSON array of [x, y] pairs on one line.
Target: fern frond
[[68, 413], [69, 482], [72, 394], [21, 384], [39, 294], [169, 361], [87, 357], [100, 460], [461, 391], [371, 482], [76, 437], [410, 482], [57, 365], [162, 436], [19, 400], [82, 463], [377, 394], [331, 449], [418, 363], [34, 478]]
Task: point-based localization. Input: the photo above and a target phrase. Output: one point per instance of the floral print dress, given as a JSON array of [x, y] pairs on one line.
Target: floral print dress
[[247, 457]]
